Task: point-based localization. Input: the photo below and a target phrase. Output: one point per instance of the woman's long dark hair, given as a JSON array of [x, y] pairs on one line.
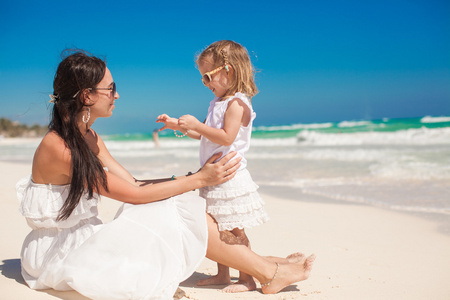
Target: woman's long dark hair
[[77, 71]]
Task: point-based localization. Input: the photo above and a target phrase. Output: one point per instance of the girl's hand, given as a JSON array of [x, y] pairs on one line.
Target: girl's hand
[[169, 123], [188, 122], [214, 173]]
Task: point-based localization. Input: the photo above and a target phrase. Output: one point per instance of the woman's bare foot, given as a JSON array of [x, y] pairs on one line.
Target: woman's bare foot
[[288, 274], [290, 259], [295, 257], [215, 280]]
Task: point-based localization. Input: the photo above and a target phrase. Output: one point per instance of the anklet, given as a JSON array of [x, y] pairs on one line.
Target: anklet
[[274, 276]]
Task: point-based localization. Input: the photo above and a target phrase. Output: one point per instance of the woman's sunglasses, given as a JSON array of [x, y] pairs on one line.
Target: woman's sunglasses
[[206, 78], [113, 89]]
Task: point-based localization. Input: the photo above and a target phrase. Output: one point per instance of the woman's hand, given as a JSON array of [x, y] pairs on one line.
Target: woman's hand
[[214, 173], [169, 123]]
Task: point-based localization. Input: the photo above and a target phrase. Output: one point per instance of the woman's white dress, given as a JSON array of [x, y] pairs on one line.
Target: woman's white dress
[[144, 253]]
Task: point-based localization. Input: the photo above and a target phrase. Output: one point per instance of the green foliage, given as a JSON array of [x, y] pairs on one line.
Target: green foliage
[[10, 128]]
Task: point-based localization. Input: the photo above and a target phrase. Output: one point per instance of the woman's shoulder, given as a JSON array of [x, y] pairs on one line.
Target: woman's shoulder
[[52, 136], [53, 143], [52, 160]]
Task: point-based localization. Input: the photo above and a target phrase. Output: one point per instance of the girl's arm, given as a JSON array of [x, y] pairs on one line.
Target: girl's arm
[[233, 119], [169, 123], [172, 123], [193, 134]]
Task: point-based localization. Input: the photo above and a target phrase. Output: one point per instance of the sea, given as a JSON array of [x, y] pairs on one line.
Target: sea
[[395, 164]]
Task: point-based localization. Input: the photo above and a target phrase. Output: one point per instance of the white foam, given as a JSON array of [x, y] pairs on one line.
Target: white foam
[[353, 123], [411, 170], [275, 142], [294, 127], [22, 142], [420, 136], [429, 119], [345, 154], [149, 144]]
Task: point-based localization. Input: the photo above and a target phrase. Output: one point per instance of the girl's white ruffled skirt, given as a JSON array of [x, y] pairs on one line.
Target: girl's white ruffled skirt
[[235, 203]]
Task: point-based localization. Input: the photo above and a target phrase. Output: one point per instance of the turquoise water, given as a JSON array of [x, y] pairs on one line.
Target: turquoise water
[[292, 130], [398, 164]]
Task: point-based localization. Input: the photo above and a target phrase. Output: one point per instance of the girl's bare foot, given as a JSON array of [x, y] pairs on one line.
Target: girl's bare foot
[[222, 277], [245, 284], [287, 274], [240, 286], [215, 280]]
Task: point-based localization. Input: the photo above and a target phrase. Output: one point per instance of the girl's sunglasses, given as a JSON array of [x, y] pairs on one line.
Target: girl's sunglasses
[[113, 89], [206, 78]]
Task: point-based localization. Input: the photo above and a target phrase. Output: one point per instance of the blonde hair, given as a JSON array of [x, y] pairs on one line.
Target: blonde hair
[[236, 56]]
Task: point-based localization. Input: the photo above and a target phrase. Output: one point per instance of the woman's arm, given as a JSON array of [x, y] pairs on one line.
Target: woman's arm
[[224, 136], [124, 187], [52, 164], [211, 174], [113, 166]]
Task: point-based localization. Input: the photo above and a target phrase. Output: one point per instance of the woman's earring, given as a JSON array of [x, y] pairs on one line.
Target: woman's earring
[[87, 117], [226, 68]]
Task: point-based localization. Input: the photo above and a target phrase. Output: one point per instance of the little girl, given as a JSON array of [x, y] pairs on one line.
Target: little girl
[[227, 71]]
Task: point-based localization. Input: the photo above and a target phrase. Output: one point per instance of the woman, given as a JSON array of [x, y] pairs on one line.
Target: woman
[[148, 249]]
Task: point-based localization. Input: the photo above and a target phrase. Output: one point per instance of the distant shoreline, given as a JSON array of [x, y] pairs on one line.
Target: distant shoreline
[[12, 129]]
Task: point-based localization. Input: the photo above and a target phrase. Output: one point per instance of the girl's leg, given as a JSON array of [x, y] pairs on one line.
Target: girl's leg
[[243, 259], [245, 282], [222, 277], [236, 236], [223, 272]]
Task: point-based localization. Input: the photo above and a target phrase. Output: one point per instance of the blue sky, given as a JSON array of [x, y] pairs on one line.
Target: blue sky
[[318, 61]]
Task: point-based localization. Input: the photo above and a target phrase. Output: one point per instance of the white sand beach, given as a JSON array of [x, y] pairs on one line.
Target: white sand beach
[[362, 252]]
